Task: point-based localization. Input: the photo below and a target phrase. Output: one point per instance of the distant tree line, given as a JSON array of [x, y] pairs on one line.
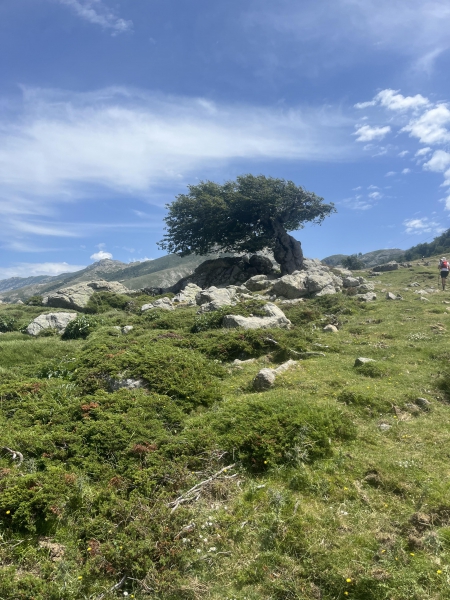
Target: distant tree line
[[440, 245]]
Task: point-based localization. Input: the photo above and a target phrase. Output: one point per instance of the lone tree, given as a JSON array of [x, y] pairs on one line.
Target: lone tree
[[246, 215]]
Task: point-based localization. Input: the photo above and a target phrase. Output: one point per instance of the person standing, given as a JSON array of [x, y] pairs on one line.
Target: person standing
[[444, 268]]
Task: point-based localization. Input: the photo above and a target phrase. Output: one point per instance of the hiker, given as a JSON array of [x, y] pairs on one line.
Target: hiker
[[444, 269]]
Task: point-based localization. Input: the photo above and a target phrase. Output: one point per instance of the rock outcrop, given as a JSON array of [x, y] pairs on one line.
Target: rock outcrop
[[229, 270], [187, 295], [315, 280], [275, 317], [214, 298], [163, 303], [78, 296], [58, 321], [390, 266]]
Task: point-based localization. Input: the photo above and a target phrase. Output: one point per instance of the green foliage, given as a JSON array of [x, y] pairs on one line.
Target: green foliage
[[440, 245], [101, 302], [373, 369], [7, 323], [34, 301], [213, 216], [353, 263], [213, 319], [80, 327], [364, 400]]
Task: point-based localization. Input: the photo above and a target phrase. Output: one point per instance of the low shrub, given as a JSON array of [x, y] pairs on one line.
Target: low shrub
[[357, 399], [181, 318], [373, 369], [35, 301], [80, 327], [101, 302], [7, 324], [213, 319]]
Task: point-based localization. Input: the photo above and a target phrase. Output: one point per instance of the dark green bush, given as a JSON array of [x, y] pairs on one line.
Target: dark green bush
[[35, 301], [357, 399], [101, 302], [80, 327], [7, 324], [214, 318], [373, 369], [262, 432]]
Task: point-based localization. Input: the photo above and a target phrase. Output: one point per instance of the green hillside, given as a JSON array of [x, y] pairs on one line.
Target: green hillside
[[333, 484], [370, 259]]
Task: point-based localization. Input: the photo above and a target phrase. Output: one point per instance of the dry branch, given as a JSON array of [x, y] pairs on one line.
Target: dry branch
[[15, 455], [195, 491], [117, 586]]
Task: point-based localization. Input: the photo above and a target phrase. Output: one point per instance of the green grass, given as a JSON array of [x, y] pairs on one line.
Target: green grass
[[337, 487]]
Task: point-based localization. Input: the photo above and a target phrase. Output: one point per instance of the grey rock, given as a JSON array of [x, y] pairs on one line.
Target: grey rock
[[127, 329], [315, 280], [238, 362], [264, 380], [390, 266], [423, 299], [365, 287], [275, 317], [391, 296], [77, 296], [257, 283], [423, 403], [369, 297], [414, 284], [384, 427], [128, 384], [162, 303], [363, 361], [58, 321], [188, 294], [331, 328], [290, 302], [421, 292], [350, 281], [285, 366], [214, 298]]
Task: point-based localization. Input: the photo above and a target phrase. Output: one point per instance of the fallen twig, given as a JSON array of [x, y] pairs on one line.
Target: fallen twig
[[195, 491], [117, 586], [15, 455]]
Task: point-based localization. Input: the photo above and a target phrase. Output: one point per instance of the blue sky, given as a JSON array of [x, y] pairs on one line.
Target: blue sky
[[109, 109]]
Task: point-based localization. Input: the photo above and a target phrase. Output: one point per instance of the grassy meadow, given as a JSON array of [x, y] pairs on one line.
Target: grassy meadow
[[333, 484]]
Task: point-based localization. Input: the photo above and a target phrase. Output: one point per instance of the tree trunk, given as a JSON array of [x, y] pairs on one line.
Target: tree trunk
[[288, 251]]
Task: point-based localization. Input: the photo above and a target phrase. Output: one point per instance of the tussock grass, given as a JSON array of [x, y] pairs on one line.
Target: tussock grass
[[339, 486]]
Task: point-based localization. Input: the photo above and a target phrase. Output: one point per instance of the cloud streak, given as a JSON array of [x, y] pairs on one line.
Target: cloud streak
[[95, 12]]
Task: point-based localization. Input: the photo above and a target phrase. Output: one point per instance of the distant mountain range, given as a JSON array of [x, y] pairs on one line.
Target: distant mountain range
[[370, 259], [161, 272]]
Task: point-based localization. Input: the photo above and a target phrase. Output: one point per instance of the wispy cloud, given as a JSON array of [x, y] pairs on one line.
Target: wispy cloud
[[423, 225], [392, 100], [97, 13], [34, 269]]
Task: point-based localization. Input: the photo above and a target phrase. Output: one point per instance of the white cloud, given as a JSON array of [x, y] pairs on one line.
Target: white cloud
[[375, 195], [430, 128], [446, 201], [373, 187], [100, 255], [403, 153], [366, 133], [390, 174], [392, 100], [406, 171], [424, 225], [129, 142], [34, 269], [95, 12], [439, 162], [422, 151]]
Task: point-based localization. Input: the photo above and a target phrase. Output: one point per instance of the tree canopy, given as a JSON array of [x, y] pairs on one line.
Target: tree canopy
[[246, 215]]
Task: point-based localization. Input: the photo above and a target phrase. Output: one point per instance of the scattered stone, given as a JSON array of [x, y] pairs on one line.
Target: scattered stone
[[384, 426], [350, 282], [127, 329], [238, 362], [58, 321], [331, 328], [412, 408], [414, 284], [363, 361], [214, 298], [291, 302], [390, 296], [365, 287], [367, 297], [423, 403], [264, 380], [285, 366], [315, 280], [423, 299], [421, 292], [77, 296], [275, 318]]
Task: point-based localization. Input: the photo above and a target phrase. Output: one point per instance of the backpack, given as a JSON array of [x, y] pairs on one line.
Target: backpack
[[444, 264]]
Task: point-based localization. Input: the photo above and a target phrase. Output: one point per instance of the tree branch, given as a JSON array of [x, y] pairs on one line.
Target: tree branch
[[15, 455], [195, 491]]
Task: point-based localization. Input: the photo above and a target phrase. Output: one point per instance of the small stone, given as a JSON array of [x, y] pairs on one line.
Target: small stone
[[384, 427], [412, 408], [331, 328], [264, 380], [127, 329], [423, 403], [390, 296], [363, 361]]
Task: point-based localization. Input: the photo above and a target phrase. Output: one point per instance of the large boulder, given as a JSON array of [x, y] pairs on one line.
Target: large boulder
[[228, 270], [188, 294], [77, 296], [214, 298], [315, 280], [58, 321], [275, 317], [258, 283], [163, 303], [390, 266]]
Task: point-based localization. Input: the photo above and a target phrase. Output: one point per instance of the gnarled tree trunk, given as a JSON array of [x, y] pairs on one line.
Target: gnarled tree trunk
[[288, 251]]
